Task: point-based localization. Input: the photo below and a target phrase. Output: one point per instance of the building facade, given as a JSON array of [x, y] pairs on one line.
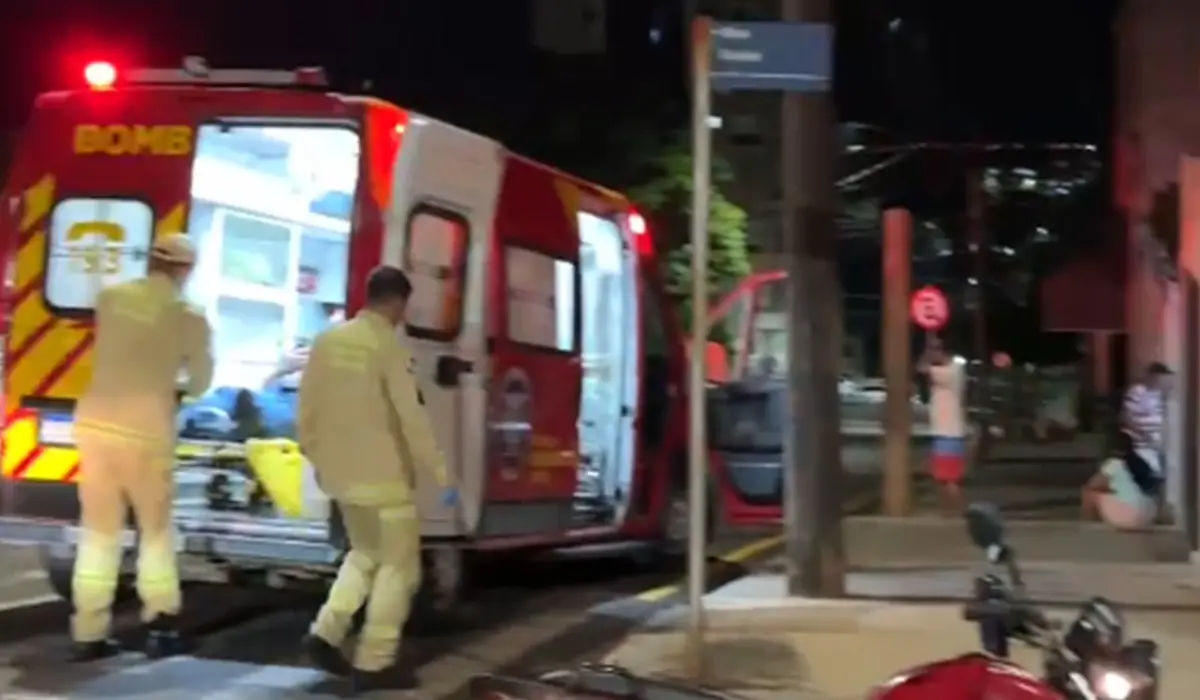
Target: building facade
[[1157, 128]]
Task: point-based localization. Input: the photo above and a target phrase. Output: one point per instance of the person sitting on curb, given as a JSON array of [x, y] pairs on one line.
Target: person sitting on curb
[[1114, 496]]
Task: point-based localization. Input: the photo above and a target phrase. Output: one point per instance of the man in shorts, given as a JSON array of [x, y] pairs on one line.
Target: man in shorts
[[948, 423]]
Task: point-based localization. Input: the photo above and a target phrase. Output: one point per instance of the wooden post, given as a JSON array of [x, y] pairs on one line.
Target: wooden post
[[897, 361]]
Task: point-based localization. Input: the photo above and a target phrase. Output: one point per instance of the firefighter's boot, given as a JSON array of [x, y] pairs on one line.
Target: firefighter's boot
[[398, 676], [163, 638], [326, 656], [83, 652]]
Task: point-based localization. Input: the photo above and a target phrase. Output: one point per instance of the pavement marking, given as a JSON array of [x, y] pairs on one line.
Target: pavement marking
[[45, 599], [741, 555], [749, 551], [37, 575]]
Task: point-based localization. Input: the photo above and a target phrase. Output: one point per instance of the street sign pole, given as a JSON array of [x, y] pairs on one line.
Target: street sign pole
[[788, 56], [697, 445]]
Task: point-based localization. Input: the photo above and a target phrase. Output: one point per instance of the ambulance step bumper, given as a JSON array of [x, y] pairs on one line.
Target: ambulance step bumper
[[273, 547]]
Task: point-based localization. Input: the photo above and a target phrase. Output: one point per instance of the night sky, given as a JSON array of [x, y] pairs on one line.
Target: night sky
[[928, 68]]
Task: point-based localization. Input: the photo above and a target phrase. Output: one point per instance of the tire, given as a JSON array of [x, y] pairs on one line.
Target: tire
[[60, 568]]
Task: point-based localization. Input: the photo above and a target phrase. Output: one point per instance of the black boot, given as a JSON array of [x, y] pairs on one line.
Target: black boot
[[326, 656], [163, 638], [398, 676], [83, 652]]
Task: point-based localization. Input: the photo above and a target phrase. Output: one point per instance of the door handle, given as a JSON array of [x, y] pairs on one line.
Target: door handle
[[449, 369]]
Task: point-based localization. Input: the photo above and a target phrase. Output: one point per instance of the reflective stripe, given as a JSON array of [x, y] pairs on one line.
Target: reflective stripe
[[406, 512], [379, 494], [116, 432]]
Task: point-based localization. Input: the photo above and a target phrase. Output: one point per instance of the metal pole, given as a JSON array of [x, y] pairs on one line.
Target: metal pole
[[813, 462], [977, 231], [897, 359], [697, 446]]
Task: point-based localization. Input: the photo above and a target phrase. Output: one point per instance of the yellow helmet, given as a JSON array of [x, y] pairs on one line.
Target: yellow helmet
[[174, 248]]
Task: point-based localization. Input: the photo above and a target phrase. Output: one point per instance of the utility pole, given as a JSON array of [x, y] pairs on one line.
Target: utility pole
[[813, 467], [897, 361]]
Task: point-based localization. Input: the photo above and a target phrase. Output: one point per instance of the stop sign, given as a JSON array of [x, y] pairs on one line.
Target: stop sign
[[929, 308]]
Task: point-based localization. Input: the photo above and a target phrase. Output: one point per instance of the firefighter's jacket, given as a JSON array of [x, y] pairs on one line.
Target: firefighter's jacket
[[361, 419], [145, 335]]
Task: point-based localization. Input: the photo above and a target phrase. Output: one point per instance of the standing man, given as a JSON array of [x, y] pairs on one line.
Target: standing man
[[125, 432], [947, 422], [1143, 414], [363, 426]]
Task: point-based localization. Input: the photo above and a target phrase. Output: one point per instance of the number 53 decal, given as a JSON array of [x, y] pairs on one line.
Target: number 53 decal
[[102, 254]]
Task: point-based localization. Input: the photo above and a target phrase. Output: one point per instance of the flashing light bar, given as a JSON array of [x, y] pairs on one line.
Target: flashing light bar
[[195, 71], [100, 75]]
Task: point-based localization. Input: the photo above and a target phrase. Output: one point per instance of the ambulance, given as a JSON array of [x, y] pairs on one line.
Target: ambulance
[[547, 352]]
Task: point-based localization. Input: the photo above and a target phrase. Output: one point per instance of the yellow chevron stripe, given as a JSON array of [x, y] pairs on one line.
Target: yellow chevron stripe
[[174, 221], [20, 437], [53, 464], [39, 198]]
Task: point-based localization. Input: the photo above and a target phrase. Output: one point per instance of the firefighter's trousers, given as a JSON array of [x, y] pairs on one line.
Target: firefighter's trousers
[[383, 569], [114, 476]]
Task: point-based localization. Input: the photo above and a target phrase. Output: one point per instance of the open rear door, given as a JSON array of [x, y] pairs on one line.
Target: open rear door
[[264, 182], [439, 230], [97, 176], [534, 389]]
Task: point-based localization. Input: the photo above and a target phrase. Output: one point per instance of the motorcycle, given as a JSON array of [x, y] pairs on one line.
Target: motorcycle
[[1085, 659]]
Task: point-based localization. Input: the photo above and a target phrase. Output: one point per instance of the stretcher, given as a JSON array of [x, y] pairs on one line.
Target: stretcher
[[280, 477]]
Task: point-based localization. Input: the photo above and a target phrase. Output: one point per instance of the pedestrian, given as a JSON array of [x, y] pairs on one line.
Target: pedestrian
[[363, 426], [948, 422], [125, 431], [1143, 413], [1113, 496]]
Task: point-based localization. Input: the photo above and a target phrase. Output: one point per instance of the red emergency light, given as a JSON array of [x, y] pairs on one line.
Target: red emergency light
[[100, 75], [637, 223]]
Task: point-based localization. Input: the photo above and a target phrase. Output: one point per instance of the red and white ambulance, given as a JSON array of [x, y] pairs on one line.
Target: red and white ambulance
[[550, 360]]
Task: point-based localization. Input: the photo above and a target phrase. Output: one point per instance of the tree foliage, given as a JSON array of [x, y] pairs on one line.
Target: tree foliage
[[663, 190]]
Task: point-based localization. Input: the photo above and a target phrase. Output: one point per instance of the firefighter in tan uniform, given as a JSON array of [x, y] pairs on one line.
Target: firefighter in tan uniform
[[125, 431], [362, 425]]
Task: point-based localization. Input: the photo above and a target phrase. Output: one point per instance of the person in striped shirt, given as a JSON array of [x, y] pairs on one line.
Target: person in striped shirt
[[1143, 413]]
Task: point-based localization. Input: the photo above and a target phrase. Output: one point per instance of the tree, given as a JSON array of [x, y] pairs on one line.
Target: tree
[[663, 189]]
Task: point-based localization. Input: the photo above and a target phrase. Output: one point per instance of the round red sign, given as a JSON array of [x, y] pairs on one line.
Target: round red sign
[[929, 308]]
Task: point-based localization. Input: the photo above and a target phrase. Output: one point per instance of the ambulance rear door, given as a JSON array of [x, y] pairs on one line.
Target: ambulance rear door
[[97, 175], [446, 184], [100, 174]]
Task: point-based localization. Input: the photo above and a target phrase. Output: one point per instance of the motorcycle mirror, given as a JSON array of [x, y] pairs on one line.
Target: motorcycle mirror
[[985, 526]]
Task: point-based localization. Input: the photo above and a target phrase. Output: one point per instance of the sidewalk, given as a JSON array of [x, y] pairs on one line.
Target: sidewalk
[[931, 540], [767, 647]]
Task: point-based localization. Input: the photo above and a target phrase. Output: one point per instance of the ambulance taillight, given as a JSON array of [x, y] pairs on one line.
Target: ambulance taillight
[[639, 230], [637, 224], [100, 75]]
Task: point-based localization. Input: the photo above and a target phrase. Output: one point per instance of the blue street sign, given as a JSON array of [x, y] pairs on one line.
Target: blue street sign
[[789, 56]]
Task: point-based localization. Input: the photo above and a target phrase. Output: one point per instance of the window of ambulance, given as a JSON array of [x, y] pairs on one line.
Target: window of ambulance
[[435, 257], [95, 242], [270, 216]]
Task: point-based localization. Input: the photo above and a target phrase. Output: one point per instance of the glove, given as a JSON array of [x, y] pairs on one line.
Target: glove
[[449, 497]]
